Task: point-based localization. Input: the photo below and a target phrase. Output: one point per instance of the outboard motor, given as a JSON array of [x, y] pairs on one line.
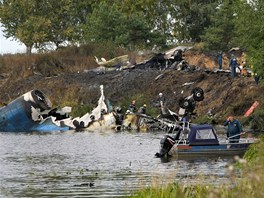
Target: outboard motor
[[166, 144]]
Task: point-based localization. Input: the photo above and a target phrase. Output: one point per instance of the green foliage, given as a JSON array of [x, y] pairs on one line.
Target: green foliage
[[108, 24], [254, 152], [155, 14], [33, 31], [255, 121], [192, 18], [80, 110], [170, 191], [249, 32], [39, 22], [220, 34]]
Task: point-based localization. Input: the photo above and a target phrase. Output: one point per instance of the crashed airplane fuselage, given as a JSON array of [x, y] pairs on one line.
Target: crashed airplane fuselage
[[33, 112], [101, 117], [24, 114]]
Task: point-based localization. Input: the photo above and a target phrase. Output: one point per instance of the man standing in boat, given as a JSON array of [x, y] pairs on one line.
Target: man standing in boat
[[234, 129]]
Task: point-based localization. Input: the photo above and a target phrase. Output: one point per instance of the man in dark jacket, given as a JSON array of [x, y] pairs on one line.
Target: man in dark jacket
[[233, 65], [142, 110], [220, 59], [234, 129]]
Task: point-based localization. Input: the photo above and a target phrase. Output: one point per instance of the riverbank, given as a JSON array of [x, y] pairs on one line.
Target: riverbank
[[72, 78]]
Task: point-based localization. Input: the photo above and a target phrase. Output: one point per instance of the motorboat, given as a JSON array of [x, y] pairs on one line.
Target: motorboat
[[201, 140]]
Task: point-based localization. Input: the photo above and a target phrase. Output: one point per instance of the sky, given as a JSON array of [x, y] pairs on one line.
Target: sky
[[8, 46]]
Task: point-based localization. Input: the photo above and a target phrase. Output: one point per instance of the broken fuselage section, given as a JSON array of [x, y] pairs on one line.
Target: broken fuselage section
[[101, 118], [29, 112], [33, 112]]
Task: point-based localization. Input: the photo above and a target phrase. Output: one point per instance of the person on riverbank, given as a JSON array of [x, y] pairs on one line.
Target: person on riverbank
[[233, 65], [142, 109], [132, 107], [220, 59], [162, 104], [234, 129]]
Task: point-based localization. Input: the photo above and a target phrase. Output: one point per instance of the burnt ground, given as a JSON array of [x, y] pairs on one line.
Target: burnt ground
[[222, 94]]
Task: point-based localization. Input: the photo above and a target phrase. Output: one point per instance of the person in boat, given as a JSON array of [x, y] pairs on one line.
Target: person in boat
[[132, 107], [234, 129], [143, 109]]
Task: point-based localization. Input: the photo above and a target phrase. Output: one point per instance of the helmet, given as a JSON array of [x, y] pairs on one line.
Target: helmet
[[144, 105], [160, 94]]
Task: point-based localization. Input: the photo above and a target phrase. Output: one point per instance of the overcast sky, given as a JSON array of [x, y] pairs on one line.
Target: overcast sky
[[8, 46]]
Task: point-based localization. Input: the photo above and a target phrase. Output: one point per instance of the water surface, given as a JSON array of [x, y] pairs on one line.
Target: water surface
[[93, 164]]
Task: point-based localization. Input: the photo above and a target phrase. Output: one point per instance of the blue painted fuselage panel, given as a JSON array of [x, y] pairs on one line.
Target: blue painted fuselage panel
[[16, 117]]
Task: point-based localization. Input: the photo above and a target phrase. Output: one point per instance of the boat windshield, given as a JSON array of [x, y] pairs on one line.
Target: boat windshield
[[204, 134]]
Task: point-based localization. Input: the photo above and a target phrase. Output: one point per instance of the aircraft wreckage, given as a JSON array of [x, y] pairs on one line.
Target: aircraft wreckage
[[29, 112], [33, 112], [169, 121]]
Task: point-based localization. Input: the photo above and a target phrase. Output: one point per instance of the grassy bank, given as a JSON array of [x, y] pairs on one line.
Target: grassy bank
[[249, 185]]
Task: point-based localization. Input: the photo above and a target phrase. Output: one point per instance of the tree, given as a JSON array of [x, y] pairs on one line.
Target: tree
[[157, 15], [33, 31], [107, 23], [192, 17], [67, 18], [249, 32], [12, 15], [37, 22], [220, 34]]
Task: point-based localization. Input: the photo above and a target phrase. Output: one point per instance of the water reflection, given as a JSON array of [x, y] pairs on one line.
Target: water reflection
[[90, 164]]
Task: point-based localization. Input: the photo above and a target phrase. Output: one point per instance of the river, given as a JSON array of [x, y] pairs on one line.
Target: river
[[93, 164]]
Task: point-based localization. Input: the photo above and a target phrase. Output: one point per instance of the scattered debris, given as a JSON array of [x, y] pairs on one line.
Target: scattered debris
[[119, 61], [187, 84], [159, 76], [251, 109]]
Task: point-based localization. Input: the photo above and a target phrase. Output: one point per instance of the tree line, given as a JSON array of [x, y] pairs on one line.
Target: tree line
[[136, 24]]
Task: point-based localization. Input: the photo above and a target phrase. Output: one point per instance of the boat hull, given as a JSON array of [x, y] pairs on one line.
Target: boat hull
[[228, 149]]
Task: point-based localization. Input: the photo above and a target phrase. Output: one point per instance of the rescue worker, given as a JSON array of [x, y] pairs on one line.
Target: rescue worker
[[233, 64], [255, 75], [234, 129], [142, 110], [161, 99], [162, 104], [132, 107], [219, 59]]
